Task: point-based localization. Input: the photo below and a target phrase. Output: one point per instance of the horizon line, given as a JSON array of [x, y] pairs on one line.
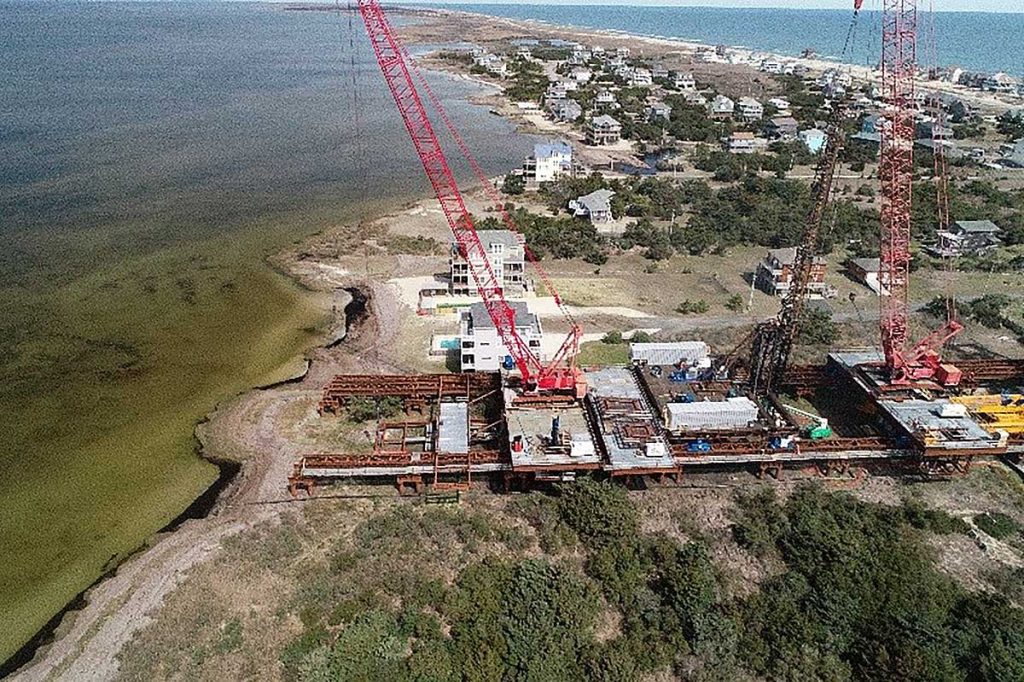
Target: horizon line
[[660, 5]]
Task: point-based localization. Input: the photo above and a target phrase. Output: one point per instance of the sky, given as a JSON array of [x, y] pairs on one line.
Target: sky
[[939, 5]]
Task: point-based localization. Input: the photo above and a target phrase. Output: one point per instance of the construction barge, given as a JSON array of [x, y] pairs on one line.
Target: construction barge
[[457, 428]]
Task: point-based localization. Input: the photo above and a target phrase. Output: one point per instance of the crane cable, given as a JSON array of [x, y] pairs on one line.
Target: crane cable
[[940, 164], [849, 46]]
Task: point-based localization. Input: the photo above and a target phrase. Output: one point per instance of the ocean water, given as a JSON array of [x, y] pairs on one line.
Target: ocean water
[[976, 41], [108, 106], [152, 156]]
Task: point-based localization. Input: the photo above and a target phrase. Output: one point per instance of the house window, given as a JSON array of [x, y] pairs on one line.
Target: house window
[[467, 359]]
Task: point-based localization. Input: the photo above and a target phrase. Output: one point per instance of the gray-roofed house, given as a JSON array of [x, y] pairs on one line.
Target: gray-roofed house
[[1013, 155], [595, 206], [782, 127], [567, 111], [751, 109], [507, 260], [481, 346], [722, 107], [656, 110], [867, 272], [603, 130], [968, 238]]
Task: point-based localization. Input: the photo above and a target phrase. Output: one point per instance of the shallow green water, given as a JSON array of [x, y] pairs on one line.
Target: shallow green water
[[151, 157]]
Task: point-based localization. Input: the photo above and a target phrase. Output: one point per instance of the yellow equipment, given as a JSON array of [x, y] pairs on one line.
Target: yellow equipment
[[1003, 412]]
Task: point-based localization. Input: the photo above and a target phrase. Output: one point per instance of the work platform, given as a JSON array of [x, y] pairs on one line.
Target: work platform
[[628, 425], [461, 426], [920, 417], [550, 440]]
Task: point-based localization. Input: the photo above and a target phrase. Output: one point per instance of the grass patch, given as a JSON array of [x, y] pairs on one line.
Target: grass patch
[[600, 354]]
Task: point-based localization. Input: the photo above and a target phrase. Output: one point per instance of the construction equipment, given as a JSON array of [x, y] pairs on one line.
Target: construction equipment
[[772, 341], [560, 375], [1004, 412], [818, 429], [896, 168]]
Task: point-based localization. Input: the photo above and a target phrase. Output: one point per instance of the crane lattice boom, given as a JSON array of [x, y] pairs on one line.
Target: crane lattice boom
[[899, 65], [773, 340], [896, 168], [392, 59]]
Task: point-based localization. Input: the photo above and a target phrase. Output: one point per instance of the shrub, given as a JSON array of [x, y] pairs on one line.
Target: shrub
[[612, 337], [920, 516], [998, 525], [366, 409], [514, 184], [688, 307], [599, 512], [817, 328]]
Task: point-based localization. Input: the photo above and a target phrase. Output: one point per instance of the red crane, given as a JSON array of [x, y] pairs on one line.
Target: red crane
[[896, 168], [559, 375]]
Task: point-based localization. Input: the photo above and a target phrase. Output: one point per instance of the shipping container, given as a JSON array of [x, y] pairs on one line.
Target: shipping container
[[692, 352], [734, 413]]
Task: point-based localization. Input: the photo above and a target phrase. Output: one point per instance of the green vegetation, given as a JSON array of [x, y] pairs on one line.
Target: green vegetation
[[688, 307], [365, 409], [1011, 124], [456, 57], [817, 328], [806, 105], [602, 354], [573, 586], [559, 237], [528, 81], [860, 599], [998, 525], [514, 184], [766, 211], [970, 200], [735, 303], [416, 246], [989, 310]]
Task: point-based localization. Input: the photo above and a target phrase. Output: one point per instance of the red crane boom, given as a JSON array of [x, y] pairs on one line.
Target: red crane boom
[[398, 73], [896, 168]]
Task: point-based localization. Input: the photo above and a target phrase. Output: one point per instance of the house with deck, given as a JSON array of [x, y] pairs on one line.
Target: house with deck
[[481, 348], [505, 255], [774, 274], [596, 206], [603, 130]]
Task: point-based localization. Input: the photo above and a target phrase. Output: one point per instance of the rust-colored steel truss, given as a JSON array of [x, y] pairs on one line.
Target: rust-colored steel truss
[[421, 387]]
